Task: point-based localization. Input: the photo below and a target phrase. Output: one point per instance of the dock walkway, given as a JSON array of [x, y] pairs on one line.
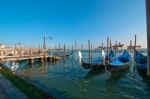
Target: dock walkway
[[31, 54]]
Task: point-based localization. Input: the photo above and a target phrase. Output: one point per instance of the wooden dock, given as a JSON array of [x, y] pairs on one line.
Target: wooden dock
[[16, 54]]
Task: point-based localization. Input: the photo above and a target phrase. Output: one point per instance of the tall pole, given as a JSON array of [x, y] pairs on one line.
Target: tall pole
[[72, 50], [64, 50], [75, 45], [91, 52], [135, 42], [44, 45], [130, 46], [107, 44], [134, 46], [59, 51], [59, 46], [115, 48], [89, 47], [148, 34], [110, 43], [102, 45], [82, 47], [51, 46], [39, 48], [76, 50]]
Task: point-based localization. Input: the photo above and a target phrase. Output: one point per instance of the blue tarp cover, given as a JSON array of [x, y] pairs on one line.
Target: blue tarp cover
[[141, 60], [116, 62], [125, 57]]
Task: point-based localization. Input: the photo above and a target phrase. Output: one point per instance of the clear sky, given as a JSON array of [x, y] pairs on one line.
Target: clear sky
[[28, 21]]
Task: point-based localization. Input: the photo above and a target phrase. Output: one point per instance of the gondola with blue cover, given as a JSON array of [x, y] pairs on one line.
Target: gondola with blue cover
[[120, 63], [141, 61]]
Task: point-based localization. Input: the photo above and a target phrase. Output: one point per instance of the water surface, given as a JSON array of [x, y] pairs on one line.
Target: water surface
[[67, 79]]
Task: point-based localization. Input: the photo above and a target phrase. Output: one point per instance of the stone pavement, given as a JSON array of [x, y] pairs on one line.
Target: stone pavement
[[9, 91]]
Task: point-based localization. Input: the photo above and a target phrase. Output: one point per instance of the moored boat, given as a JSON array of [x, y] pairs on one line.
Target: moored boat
[[100, 63], [89, 65], [141, 61], [120, 63]]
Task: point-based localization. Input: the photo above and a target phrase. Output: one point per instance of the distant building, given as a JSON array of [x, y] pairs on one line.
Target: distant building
[[118, 46], [132, 47]]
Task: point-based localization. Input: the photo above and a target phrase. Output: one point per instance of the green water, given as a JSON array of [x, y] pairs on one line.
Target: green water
[[67, 79]]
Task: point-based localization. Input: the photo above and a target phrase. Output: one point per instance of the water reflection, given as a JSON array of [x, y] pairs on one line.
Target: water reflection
[[93, 73], [145, 79], [33, 69], [113, 79], [14, 66]]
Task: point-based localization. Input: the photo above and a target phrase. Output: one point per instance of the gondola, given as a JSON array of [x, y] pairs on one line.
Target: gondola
[[120, 63], [141, 61], [90, 65], [110, 57]]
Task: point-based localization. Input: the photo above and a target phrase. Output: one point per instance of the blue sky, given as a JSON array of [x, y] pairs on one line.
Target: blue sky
[[28, 21]]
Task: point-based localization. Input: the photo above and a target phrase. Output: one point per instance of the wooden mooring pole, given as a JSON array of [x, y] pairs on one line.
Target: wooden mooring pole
[[115, 48], [72, 50], [44, 45], [148, 34], [91, 52], [134, 46], [107, 44], [76, 50], [110, 43], [130, 52], [59, 46], [64, 50], [89, 48], [82, 47], [130, 47]]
